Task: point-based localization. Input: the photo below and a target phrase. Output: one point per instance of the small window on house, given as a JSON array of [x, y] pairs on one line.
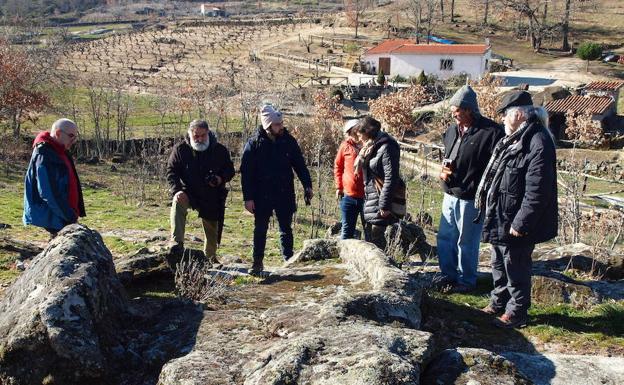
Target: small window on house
[[446, 64]]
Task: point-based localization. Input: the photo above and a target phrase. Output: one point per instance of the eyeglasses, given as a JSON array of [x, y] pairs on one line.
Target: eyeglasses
[[70, 136]]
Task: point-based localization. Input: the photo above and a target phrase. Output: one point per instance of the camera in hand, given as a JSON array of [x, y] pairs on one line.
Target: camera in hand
[[212, 179], [448, 163]]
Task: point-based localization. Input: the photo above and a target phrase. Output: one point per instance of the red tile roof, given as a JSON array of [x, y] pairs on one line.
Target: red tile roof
[[604, 86], [407, 46], [580, 104]]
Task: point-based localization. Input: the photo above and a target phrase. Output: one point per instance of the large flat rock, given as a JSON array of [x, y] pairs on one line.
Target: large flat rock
[[339, 312]]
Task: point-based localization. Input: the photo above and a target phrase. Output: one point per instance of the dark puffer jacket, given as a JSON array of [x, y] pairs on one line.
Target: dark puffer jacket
[[188, 169], [267, 171], [383, 164], [475, 150], [527, 192]]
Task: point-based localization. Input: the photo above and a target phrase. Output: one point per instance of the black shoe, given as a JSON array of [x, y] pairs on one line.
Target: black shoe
[[256, 268], [442, 283], [460, 288]]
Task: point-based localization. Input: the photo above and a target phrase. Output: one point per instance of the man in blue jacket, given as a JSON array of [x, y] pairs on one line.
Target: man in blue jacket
[[267, 165], [52, 191], [518, 195]]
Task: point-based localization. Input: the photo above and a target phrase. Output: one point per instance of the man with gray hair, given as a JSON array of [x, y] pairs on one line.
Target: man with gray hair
[[468, 145], [52, 191], [197, 171], [518, 195]]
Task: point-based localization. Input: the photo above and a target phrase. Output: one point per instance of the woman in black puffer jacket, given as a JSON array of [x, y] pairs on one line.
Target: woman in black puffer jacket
[[379, 160]]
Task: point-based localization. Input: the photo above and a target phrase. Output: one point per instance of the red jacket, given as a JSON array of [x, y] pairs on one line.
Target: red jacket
[[346, 179]]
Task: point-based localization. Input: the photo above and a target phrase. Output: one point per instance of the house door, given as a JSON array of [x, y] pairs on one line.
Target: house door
[[384, 65]]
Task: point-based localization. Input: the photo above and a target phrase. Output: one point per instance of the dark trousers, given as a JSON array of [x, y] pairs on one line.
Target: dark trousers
[[511, 272], [377, 235], [351, 209], [261, 226]]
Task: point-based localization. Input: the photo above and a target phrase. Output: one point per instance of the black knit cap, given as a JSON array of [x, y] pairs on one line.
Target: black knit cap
[[515, 98]]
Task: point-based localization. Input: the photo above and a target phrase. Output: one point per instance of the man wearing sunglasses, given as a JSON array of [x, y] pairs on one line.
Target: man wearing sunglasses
[[52, 192]]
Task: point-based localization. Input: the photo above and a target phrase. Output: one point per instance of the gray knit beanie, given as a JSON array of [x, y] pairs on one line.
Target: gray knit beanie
[[466, 98], [269, 115]]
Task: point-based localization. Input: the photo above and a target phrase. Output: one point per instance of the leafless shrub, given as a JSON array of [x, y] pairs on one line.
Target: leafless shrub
[[395, 110], [584, 131], [193, 280], [487, 94]]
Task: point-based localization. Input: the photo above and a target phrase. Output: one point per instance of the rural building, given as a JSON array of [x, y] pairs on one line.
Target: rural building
[[207, 10], [406, 58], [611, 89], [602, 109]]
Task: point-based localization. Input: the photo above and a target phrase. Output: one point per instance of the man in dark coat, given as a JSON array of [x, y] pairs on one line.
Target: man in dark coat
[[379, 160], [197, 171], [52, 191], [267, 165], [468, 145], [518, 194]]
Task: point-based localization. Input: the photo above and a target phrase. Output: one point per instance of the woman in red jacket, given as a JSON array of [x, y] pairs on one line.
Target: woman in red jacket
[[349, 184]]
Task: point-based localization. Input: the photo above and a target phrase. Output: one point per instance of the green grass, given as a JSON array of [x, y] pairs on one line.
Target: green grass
[[600, 329]]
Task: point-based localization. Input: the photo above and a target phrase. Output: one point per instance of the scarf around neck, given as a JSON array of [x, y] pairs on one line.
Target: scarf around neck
[[487, 191]]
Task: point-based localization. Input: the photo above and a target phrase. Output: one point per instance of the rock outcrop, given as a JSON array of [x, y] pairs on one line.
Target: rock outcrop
[[472, 366], [349, 322], [60, 319]]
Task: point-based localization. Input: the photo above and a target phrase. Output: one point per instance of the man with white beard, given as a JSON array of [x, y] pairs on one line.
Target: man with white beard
[[518, 194], [197, 171]]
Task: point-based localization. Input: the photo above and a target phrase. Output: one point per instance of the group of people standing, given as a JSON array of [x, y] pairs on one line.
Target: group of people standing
[[499, 187]]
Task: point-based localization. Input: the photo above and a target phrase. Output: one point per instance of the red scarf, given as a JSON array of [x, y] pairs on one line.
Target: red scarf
[[72, 186]]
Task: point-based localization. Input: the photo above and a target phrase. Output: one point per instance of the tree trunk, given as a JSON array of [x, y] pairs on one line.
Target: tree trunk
[[16, 124], [565, 26], [452, 11], [442, 10], [486, 11]]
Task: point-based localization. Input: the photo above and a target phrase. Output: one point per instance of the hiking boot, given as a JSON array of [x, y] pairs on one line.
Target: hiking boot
[[175, 249], [508, 322], [213, 262], [489, 310], [175, 252]]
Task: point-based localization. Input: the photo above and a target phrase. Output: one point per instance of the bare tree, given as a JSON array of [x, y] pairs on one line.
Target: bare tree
[[355, 10], [414, 11], [565, 26], [530, 10]]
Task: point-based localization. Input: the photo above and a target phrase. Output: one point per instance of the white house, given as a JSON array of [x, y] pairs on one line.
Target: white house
[[406, 58]]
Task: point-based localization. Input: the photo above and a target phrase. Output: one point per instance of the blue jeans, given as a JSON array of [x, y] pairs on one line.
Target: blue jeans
[[458, 240], [351, 208], [261, 226]]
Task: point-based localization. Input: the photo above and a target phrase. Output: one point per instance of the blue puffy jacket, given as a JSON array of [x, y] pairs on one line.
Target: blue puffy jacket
[[267, 171], [46, 191]]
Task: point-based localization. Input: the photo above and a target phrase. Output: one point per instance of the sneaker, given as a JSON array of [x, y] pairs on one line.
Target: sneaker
[[256, 268], [508, 322], [442, 282], [490, 310], [460, 288]]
